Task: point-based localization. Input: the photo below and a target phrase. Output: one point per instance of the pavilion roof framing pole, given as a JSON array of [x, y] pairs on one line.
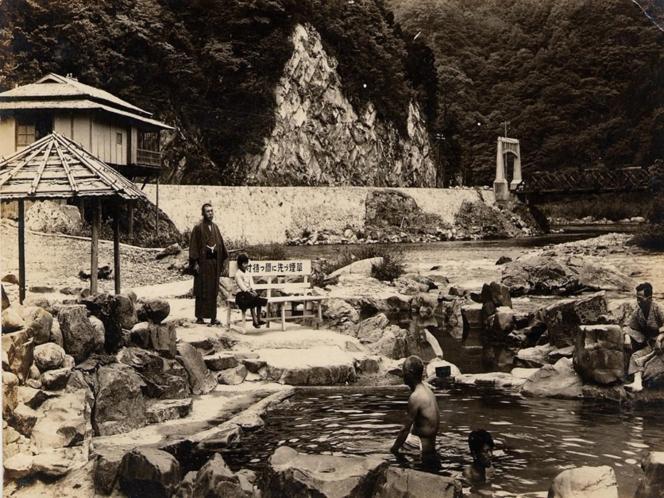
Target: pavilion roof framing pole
[[65, 165], [116, 246], [102, 175], [94, 251], [21, 165], [40, 171], [21, 251]]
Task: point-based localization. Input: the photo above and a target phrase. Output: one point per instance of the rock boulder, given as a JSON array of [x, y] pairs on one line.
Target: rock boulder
[[119, 406], [154, 310], [563, 318], [216, 480], [585, 482], [18, 353], [395, 482], [561, 275], [652, 483], [555, 381], [78, 334], [297, 474], [149, 472], [38, 322], [49, 356], [63, 421], [164, 378], [201, 379], [599, 356]]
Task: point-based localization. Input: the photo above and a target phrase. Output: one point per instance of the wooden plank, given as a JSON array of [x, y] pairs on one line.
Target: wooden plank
[[94, 251], [265, 268], [21, 251], [116, 248], [284, 286]]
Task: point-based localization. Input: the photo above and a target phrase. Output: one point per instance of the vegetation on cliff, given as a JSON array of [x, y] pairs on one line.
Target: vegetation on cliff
[[210, 66]]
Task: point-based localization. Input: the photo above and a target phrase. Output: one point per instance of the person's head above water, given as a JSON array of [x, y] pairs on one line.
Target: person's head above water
[[413, 368], [481, 446]]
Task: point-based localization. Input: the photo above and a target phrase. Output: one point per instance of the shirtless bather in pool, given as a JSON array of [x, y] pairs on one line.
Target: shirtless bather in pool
[[423, 416]]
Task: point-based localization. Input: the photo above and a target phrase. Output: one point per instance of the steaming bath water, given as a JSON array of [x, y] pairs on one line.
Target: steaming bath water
[[536, 438]]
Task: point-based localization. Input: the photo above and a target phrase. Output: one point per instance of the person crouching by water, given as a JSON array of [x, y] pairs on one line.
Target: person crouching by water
[[207, 254], [481, 446], [645, 333], [247, 297], [423, 416]]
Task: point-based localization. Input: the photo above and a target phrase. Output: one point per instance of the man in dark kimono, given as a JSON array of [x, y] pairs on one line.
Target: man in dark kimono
[[207, 254]]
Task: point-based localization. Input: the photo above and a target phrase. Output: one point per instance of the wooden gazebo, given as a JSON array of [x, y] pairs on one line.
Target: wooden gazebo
[[55, 167]]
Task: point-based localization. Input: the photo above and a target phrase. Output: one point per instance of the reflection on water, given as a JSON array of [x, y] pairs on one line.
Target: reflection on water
[[536, 438]]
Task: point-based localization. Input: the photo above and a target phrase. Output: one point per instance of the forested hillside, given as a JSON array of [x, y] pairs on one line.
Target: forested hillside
[[581, 81], [210, 66]]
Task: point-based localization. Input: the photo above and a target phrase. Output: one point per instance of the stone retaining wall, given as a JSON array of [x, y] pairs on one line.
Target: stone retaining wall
[[264, 214]]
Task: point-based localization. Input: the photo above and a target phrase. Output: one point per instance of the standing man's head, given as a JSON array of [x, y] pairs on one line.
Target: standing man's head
[[644, 293], [413, 368], [207, 211], [481, 446]]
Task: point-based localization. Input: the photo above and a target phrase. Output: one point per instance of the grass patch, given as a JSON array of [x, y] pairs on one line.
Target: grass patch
[[392, 266]]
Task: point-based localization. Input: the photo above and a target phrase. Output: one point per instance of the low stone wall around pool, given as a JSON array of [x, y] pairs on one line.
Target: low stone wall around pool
[[264, 214]]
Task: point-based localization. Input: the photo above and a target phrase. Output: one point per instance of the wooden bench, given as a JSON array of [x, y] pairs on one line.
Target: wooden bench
[[290, 277]]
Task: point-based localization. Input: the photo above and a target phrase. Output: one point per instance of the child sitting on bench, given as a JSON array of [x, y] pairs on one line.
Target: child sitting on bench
[[247, 297]]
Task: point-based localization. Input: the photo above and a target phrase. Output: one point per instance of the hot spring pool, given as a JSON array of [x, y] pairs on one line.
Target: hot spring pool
[[535, 438]]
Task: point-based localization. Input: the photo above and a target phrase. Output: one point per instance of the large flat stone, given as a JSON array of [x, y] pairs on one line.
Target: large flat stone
[[406, 483], [298, 474]]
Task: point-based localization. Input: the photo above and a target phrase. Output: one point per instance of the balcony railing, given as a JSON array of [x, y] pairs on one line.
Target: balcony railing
[[146, 157]]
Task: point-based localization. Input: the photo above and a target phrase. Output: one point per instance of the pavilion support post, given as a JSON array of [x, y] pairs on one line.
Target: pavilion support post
[[130, 221], [156, 215], [94, 252], [21, 251], [116, 248]]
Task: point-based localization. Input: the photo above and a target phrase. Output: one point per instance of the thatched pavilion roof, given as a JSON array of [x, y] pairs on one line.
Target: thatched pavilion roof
[[57, 167]]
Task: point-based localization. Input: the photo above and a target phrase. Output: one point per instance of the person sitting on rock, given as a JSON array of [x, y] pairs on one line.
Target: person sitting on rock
[[423, 416], [247, 297], [645, 333], [481, 447]]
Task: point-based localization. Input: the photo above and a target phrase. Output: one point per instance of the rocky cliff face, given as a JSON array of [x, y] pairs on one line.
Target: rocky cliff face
[[319, 138]]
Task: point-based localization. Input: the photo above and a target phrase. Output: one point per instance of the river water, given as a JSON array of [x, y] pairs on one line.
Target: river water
[[535, 438]]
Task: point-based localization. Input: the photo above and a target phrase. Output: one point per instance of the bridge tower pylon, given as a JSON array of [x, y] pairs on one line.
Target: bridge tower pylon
[[501, 186]]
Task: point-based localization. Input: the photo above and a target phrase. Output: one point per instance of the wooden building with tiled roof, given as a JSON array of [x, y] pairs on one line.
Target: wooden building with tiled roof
[[111, 129]]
